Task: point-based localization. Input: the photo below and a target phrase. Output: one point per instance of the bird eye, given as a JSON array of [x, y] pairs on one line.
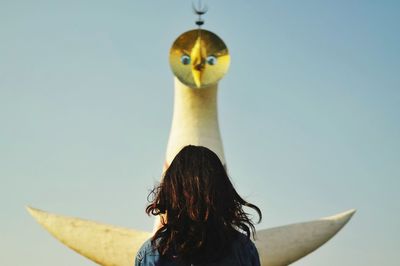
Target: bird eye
[[211, 60], [185, 59]]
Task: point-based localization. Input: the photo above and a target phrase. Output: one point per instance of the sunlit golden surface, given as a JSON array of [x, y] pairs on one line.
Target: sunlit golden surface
[[199, 58]]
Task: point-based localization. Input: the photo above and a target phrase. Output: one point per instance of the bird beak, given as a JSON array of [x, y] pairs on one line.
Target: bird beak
[[198, 56]]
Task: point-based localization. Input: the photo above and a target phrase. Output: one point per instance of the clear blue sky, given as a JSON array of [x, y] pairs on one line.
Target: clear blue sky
[[309, 115]]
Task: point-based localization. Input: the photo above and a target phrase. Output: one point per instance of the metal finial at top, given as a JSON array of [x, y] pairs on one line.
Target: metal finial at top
[[199, 10]]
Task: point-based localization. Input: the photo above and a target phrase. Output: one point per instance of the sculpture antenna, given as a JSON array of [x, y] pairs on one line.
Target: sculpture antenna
[[200, 10]]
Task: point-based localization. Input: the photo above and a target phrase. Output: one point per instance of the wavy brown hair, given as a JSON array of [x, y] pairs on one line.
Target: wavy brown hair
[[202, 208]]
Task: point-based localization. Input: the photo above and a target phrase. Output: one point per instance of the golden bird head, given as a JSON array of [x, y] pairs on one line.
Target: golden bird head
[[199, 58]]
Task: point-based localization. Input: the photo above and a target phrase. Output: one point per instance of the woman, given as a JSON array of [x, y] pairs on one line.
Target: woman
[[202, 217]]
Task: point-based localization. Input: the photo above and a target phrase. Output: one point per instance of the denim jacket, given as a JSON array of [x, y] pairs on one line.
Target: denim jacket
[[244, 253]]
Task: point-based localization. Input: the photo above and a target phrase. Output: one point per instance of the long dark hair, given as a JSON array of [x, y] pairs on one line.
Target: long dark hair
[[203, 210]]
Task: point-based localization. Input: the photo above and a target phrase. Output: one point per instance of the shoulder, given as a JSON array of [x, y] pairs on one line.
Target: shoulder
[[246, 250], [147, 254], [147, 248]]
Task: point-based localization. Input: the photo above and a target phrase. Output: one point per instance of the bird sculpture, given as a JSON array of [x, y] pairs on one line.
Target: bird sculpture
[[198, 59]]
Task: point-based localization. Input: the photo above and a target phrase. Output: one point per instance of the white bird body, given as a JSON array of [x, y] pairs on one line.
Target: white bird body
[[195, 120]]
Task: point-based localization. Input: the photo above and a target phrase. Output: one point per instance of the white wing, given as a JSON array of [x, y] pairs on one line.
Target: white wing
[[283, 245], [104, 244]]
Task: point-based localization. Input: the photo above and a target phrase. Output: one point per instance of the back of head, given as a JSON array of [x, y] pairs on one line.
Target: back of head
[[203, 210]]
